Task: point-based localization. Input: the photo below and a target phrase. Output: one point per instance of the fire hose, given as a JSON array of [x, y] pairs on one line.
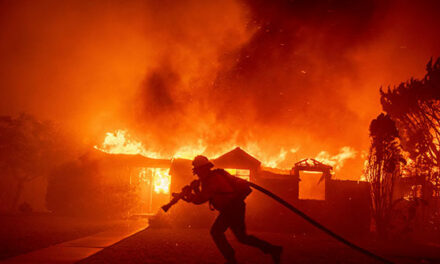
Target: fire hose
[[298, 212], [317, 224]]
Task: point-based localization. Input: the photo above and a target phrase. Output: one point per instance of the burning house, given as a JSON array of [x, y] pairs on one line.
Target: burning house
[[104, 184], [309, 185], [148, 177], [342, 204], [240, 164]]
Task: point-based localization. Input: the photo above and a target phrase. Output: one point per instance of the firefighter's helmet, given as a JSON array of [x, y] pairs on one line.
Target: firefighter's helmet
[[201, 161]]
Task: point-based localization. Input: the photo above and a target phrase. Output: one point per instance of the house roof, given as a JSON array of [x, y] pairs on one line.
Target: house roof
[[127, 160], [237, 158], [312, 165]]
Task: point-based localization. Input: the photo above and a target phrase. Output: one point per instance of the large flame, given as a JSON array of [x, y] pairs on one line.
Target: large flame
[[337, 161], [260, 72], [120, 142], [161, 180], [159, 177]]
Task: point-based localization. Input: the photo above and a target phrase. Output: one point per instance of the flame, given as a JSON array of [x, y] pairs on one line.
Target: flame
[[159, 177], [161, 180], [120, 142], [240, 173], [274, 161], [269, 161], [336, 161], [189, 152]]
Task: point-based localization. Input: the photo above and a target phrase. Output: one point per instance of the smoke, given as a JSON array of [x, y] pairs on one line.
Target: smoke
[[281, 75]]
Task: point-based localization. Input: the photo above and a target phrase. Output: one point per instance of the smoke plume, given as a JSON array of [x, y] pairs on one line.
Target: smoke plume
[[269, 76]]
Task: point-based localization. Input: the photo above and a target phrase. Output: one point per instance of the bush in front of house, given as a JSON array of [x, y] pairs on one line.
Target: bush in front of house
[[79, 188]]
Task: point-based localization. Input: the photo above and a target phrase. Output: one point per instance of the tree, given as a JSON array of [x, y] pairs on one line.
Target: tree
[[28, 149], [82, 188], [415, 107], [383, 169]]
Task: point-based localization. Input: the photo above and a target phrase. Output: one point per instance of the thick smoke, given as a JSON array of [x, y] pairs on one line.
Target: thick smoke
[[270, 76], [306, 77]]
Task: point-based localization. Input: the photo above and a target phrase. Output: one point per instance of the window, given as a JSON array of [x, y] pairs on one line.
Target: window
[[310, 187], [243, 174]]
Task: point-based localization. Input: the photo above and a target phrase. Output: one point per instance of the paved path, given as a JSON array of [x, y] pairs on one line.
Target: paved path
[[78, 249], [195, 246]]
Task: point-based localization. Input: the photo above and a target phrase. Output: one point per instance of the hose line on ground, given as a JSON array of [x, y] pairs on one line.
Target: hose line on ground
[[317, 224]]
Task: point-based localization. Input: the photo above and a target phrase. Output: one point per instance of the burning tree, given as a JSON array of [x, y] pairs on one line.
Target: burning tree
[[415, 107], [383, 169]]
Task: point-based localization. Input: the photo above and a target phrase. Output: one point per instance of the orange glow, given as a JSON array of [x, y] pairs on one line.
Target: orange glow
[[120, 142], [338, 160], [158, 176], [310, 187], [189, 152], [161, 180], [243, 174], [257, 77]]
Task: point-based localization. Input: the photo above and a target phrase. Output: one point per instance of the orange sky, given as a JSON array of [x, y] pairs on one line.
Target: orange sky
[[266, 75]]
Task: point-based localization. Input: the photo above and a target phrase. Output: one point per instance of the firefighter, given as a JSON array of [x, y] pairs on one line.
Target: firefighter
[[226, 194]]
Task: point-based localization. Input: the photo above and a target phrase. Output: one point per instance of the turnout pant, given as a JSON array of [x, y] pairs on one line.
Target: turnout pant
[[233, 217]]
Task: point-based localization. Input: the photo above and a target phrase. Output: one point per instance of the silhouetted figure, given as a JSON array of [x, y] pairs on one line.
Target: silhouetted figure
[[226, 194]]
